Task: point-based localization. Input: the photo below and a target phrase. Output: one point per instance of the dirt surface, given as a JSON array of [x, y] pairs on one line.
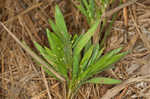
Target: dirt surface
[[21, 78]]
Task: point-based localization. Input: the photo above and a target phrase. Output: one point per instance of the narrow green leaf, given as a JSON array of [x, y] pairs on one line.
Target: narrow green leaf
[[53, 40], [53, 26], [67, 48], [85, 38], [102, 63], [60, 22], [42, 62], [75, 37], [62, 69], [80, 45], [82, 9], [77, 40], [106, 58], [113, 60], [58, 64], [108, 31], [86, 58], [99, 53], [56, 45], [46, 70], [88, 45], [59, 70], [50, 52], [88, 10], [111, 53], [75, 70], [49, 58], [92, 7], [108, 62], [85, 4], [68, 54], [103, 80], [55, 29], [39, 48], [94, 55]]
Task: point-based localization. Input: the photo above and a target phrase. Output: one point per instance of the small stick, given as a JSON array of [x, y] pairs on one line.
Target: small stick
[[46, 83], [23, 12], [111, 12], [125, 15]]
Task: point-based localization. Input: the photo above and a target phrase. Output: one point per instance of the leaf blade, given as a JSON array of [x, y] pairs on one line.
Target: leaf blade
[[103, 80], [86, 58], [60, 22], [85, 38]]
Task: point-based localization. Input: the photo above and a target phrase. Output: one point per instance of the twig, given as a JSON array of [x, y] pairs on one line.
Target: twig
[[115, 90], [125, 14], [46, 84], [24, 12], [31, 53], [111, 12]]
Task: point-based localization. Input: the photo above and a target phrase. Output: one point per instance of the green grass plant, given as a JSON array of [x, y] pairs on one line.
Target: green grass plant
[[75, 58], [93, 11]]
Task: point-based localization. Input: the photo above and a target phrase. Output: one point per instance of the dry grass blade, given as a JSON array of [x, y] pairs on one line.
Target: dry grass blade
[[32, 53], [125, 14], [24, 12], [46, 84], [111, 12], [142, 35], [115, 90]]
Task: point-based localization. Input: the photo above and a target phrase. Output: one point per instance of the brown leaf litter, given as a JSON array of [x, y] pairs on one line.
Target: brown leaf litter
[[21, 78]]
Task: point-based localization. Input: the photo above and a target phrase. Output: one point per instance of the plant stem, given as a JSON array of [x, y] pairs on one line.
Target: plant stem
[[69, 94]]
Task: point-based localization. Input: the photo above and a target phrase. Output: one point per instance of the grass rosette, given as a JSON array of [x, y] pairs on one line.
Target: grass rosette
[[75, 58]]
